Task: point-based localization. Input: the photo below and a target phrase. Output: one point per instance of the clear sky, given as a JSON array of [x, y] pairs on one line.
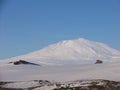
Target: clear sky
[[28, 25]]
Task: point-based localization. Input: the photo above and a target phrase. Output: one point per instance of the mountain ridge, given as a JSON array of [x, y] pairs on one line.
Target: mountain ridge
[[72, 51]]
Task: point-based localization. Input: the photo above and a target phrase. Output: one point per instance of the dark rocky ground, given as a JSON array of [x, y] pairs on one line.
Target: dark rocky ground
[[9, 89], [73, 85]]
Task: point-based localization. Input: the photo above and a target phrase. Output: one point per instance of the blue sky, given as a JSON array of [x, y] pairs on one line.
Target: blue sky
[[28, 25]]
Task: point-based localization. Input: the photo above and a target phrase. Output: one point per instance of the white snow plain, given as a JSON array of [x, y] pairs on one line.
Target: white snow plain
[[109, 71]]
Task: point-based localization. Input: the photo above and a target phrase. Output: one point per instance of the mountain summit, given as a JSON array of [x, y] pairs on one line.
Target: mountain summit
[[76, 51]]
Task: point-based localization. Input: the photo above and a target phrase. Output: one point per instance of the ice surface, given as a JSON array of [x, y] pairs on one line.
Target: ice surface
[[110, 71]]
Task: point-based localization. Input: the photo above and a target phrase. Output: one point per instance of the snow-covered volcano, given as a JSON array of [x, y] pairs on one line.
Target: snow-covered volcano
[[76, 51]]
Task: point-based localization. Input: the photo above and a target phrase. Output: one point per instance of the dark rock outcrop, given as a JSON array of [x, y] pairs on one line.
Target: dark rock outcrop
[[98, 62], [23, 62], [73, 85], [91, 85]]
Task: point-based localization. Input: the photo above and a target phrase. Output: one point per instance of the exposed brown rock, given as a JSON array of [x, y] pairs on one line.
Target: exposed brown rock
[[98, 62]]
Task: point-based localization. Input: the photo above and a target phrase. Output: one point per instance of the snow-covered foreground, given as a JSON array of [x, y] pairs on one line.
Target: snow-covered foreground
[[73, 85], [109, 71], [79, 77]]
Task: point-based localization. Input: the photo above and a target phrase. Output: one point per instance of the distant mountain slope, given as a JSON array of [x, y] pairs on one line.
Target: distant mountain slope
[[76, 51]]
